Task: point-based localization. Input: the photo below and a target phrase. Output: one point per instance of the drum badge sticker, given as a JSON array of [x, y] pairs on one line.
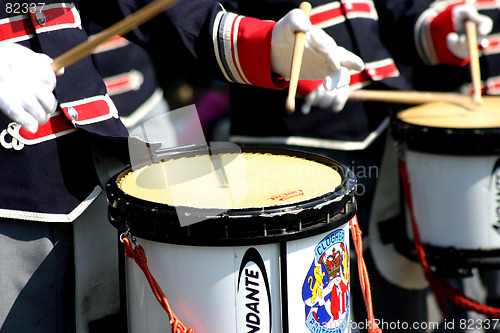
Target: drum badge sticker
[[326, 287]]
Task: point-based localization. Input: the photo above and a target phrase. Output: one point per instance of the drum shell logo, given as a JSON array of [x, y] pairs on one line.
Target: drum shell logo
[[325, 290], [253, 296]]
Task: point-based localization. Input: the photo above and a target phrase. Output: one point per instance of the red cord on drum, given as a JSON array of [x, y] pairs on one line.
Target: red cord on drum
[[139, 257], [441, 288], [364, 280]]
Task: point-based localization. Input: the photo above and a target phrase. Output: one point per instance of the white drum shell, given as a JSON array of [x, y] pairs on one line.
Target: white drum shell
[[201, 284], [456, 199]]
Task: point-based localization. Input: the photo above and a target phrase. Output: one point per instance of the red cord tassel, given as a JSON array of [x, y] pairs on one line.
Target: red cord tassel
[[364, 280], [139, 257]]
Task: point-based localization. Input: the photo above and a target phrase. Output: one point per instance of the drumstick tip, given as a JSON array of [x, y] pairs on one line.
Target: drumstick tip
[[290, 105], [477, 99], [306, 7]]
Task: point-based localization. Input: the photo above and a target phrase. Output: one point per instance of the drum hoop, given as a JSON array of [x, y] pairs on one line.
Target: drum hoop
[[447, 261], [451, 261], [450, 141], [147, 218]]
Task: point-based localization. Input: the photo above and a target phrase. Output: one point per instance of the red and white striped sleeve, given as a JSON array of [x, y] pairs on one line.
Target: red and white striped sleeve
[[430, 34], [242, 48]]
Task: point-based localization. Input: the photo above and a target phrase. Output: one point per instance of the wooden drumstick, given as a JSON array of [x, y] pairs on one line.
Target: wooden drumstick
[[298, 53], [409, 97], [120, 28], [471, 30]]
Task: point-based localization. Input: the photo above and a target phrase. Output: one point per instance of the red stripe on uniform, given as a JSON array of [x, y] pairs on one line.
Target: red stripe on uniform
[[113, 43], [333, 13], [382, 72], [493, 45], [486, 4], [60, 123], [359, 78], [120, 84], [15, 29], [25, 25], [54, 16], [56, 124], [88, 111], [326, 15], [357, 7]]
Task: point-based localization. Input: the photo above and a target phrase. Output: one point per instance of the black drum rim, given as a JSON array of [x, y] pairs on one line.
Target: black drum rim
[[450, 141]]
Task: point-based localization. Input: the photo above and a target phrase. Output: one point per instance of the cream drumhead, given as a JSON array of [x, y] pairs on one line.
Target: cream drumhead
[[447, 128], [448, 115], [247, 180]]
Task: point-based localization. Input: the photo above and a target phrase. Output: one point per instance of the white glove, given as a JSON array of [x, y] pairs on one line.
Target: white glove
[[322, 56], [26, 85], [457, 41], [333, 93]]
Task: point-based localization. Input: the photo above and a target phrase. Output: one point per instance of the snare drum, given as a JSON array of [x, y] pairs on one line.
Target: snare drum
[[452, 155], [274, 260]]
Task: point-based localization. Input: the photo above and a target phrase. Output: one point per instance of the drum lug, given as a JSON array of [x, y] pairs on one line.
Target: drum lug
[[128, 235]]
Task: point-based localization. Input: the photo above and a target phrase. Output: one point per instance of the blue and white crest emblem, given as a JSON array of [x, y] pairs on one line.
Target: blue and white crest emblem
[[326, 287]]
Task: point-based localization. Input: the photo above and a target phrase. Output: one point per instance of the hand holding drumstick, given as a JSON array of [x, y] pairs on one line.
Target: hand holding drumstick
[[27, 81], [315, 56]]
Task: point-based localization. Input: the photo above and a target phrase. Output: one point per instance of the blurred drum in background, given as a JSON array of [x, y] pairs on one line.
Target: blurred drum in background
[[452, 156]]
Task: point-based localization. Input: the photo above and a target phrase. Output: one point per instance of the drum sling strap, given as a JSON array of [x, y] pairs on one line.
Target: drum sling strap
[[442, 289], [364, 280], [138, 255]]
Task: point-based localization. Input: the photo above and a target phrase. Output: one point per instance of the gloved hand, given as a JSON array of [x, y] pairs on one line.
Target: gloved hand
[[457, 41], [26, 85], [332, 94], [322, 56], [441, 32]]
